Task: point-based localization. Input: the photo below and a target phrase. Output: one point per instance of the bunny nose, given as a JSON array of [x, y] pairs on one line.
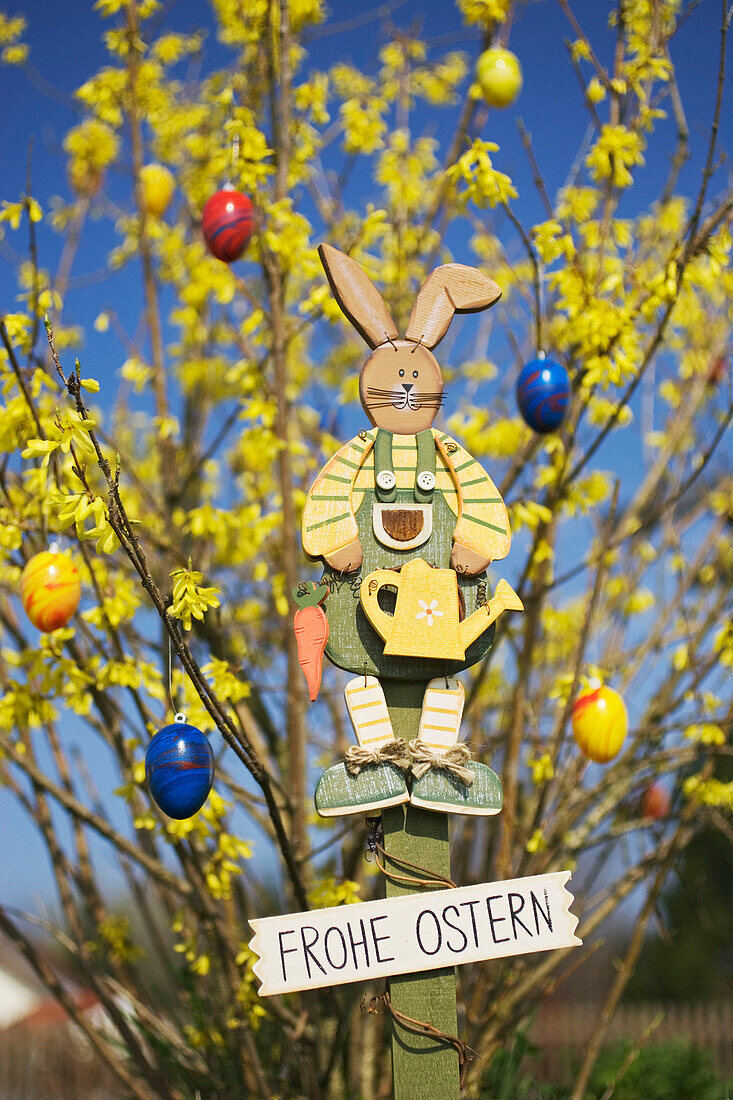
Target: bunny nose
[[407, 387]]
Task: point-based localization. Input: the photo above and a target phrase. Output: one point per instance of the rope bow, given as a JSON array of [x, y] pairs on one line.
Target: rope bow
[[393, 752], [453, 761]]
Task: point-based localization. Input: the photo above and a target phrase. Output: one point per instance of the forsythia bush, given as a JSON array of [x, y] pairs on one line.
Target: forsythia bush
[[174, 472]]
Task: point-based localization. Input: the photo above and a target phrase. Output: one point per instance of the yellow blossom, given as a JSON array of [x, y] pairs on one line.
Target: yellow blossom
[[190, 599], [485, 13], [541, 767], [328, 892], [536, 842], [481, 183], [705, 733], [616, 150]]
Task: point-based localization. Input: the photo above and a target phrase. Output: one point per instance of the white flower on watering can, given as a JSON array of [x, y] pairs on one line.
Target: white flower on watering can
[[428, 611]]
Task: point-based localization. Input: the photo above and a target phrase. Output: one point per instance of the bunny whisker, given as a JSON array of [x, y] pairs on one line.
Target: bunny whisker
[[380, 404]]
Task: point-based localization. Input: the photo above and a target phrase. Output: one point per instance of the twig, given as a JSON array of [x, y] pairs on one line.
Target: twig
[[281, 85], [80, 811], [536, 174], [121, 525]]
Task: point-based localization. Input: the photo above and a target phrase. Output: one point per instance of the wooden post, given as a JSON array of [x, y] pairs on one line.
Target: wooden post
[[421, 1066], [373, 506]]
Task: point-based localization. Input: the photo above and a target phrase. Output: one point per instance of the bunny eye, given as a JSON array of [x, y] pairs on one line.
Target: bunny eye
[[414, 374], [402, 374]]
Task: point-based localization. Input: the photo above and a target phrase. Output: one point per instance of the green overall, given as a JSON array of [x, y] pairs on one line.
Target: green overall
[[362, 651]]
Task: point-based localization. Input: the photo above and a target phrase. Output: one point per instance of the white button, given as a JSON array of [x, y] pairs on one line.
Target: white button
[[426, 481], [386, 480]]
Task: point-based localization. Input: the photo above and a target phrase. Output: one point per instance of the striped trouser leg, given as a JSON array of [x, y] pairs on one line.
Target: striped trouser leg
[[442, 710], [368, 712]]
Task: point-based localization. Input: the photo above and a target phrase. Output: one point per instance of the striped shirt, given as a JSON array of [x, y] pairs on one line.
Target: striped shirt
[[329, 522]]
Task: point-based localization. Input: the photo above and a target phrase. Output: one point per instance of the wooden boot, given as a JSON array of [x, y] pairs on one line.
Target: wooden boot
[[343, 790]]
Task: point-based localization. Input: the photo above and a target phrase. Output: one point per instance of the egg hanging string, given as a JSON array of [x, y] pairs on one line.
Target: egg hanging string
[[234, 156], [178, 712], [540, 320], [234, 147]]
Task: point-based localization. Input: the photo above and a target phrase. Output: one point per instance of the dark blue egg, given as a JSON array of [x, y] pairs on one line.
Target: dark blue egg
[[543, 394], [179, 768]]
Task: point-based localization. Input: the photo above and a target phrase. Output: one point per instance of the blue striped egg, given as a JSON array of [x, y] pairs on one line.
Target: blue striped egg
[[179, 768], [543, 394]]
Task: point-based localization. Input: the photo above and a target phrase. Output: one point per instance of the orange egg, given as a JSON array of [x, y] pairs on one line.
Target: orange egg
[[50, 590], [600, 723]]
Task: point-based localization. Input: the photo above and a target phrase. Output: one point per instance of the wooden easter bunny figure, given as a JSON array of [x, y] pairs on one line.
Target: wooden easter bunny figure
[[405, 494]]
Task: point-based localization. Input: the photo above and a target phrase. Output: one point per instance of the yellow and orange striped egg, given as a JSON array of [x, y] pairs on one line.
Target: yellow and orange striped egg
[[600, 723], [50, 590]]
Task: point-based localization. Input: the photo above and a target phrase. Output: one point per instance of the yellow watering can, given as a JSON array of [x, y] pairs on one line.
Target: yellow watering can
[[426, 620]]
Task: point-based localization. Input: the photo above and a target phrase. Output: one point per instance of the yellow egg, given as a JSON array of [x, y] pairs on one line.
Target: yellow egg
[[158, 186], [600, 723], [50, 590], [499, 75]]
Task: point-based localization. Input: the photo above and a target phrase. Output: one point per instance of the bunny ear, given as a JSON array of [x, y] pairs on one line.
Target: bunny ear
[[452, 288], [358, 297]]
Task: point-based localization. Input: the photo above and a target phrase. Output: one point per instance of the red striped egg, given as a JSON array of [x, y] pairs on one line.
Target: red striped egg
[[50, 590], [656, 802], [600, 723], [227, 224]]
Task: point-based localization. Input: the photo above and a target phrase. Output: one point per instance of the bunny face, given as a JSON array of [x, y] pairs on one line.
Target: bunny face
[[401, 387]]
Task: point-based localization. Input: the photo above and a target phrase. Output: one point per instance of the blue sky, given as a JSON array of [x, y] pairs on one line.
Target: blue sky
[[65, 49]]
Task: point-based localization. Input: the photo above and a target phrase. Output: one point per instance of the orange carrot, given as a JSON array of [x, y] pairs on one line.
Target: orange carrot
[[311, 631]]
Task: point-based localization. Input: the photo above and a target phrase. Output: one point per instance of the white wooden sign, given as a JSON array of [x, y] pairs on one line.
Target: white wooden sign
[[426, 931]]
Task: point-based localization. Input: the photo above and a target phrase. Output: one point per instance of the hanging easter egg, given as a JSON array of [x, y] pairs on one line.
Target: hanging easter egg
[[718, 371], [157, 186], [656, 802], [50, 590], [600, 723], [179, 768], [227, 224], [499, 76], [543, 394]]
